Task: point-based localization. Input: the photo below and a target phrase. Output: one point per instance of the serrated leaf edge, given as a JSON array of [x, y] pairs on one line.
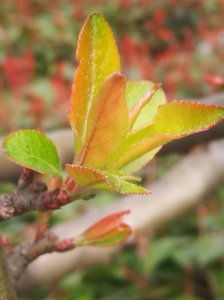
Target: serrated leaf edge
[[25, 165], [107, 180]]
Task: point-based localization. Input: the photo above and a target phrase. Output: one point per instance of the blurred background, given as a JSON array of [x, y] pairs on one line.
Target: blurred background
[[177, 43]]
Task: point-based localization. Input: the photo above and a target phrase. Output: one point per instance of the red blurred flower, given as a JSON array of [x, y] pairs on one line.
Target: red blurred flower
[[214, 79]]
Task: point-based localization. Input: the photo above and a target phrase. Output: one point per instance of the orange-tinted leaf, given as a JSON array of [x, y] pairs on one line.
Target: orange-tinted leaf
[[109, 124], [173, 120], [106, 224], [133, 151], [113, 237], [86, 177], [182, 118], [106, 232], [143, 99], [97, 57], [136, 110]]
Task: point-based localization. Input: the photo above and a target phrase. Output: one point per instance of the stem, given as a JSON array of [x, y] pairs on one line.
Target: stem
[[21, 201], [21, 256], [7, 291]]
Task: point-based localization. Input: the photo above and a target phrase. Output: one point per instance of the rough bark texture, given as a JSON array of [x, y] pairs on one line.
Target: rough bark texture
[[30, 198], [20, 257]]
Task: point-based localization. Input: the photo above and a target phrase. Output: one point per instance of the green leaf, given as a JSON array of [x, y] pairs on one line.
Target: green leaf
[[34, 150], [139, 92], [86, 177], [172, 121], [132, 150], [202, 251], [109, 124], [97, 57], [181, 118], [160, 250], [124, 187], [137, 163]]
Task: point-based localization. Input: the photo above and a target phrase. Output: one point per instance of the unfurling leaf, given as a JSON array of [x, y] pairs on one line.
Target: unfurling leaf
[[97, 57], [34, 150], [86, 177], [109, 231]]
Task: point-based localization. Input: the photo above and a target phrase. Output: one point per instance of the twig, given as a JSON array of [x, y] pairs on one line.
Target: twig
[[179, 190], [21, 256], [33, 197], [7, 291]]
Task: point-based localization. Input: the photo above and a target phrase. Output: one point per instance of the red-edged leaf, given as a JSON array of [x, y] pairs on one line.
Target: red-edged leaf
[[143, 99], [182, 118], [172, 121], [86, 177], [97, 57], [141, 104], [107, 232], [109, 124]]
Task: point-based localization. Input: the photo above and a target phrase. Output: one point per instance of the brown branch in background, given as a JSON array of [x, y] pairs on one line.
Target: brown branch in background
[[7, 291], [64, 140], [20, 257], [185, 185]]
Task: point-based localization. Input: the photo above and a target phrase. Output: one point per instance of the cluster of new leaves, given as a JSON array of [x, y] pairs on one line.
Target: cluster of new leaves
[[118, 125]]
